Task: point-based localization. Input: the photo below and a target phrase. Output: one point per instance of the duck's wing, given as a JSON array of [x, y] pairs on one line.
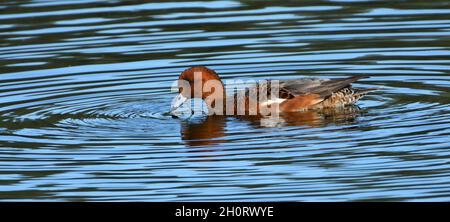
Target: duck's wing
[[296, 87], [322, 87], [288, 88]]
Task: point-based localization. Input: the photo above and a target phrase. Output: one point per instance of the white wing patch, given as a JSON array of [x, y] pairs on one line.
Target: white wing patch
[[272, 101]]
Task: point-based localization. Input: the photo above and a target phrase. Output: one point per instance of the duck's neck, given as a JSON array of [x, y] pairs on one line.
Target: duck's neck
[[217, 103], [223, 104]]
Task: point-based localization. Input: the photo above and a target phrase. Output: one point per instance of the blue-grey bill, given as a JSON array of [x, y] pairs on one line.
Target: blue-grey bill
[[177, 102]]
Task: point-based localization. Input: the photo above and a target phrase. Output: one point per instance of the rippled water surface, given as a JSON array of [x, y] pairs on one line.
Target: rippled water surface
[[85, 94]]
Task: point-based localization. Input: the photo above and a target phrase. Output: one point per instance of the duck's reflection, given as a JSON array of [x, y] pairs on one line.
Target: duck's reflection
[[211, 130], [204, 131]]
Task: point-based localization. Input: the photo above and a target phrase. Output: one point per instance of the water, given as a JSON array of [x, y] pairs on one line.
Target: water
[[85, 91]]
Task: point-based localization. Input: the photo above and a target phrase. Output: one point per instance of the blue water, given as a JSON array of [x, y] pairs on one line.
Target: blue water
[[85, 90]]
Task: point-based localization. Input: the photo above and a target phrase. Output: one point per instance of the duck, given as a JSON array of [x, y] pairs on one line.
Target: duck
[[293, 95]]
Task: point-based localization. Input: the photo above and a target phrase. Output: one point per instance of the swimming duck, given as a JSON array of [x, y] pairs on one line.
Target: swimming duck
[[293, 95]]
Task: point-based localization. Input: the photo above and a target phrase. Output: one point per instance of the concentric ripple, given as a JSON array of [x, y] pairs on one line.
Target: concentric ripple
[[85, 90]]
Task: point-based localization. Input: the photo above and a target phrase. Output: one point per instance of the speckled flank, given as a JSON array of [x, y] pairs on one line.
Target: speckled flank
[[345, 96]]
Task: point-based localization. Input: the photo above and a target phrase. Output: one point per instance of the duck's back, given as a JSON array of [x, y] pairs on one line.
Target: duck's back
[[323, 93]]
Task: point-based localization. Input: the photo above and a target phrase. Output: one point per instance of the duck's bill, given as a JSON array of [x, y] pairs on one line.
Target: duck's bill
[[178, 101]]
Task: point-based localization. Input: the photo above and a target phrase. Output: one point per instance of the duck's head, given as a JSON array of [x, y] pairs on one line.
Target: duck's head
[[197, 82]]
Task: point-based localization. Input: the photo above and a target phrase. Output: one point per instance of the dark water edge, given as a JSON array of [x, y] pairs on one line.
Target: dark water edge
[[85, 91]]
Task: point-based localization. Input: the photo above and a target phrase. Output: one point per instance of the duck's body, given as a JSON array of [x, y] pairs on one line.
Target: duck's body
[[293, 95], [317, 93]]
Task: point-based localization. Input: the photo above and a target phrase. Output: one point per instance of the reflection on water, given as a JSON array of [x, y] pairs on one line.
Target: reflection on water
[[207, 130], [85, 95]]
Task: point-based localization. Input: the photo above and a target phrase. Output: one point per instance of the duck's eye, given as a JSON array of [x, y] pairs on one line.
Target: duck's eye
[[183, 86]]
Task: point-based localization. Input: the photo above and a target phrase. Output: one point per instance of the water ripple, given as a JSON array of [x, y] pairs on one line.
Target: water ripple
[[85, 94]]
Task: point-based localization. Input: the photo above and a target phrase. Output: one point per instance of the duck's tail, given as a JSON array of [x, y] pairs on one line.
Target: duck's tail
[[330, 87], [363, 91], [345, 96]]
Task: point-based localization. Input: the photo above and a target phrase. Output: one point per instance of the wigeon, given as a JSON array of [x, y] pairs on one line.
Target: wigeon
[[293, 95]]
